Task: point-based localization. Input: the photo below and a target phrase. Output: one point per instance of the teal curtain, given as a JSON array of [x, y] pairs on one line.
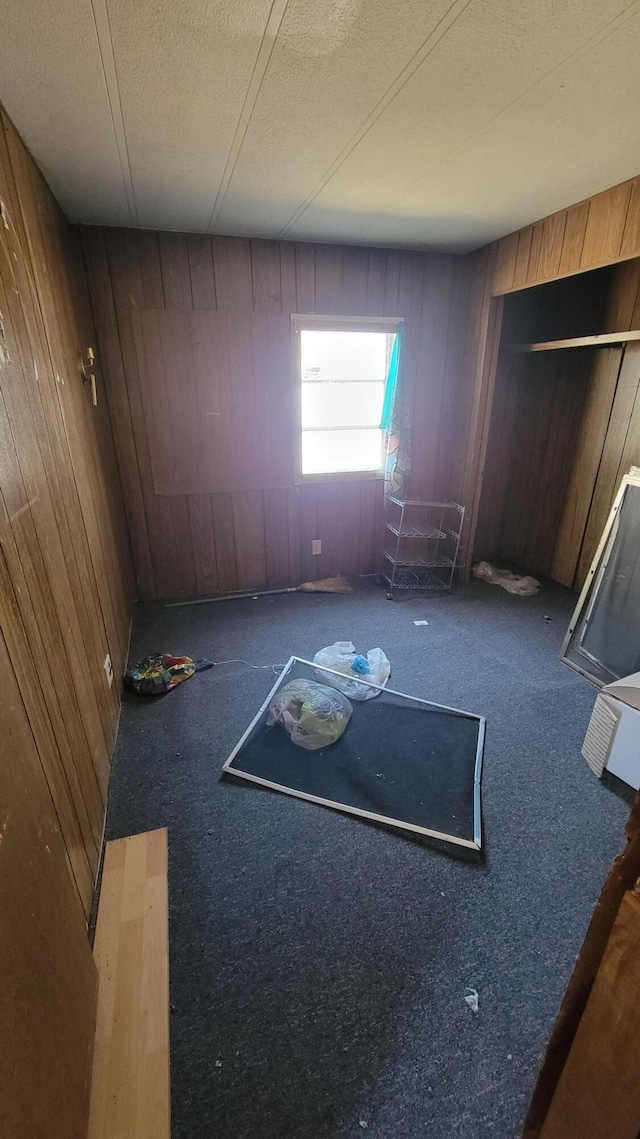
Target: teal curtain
[[396, 423]]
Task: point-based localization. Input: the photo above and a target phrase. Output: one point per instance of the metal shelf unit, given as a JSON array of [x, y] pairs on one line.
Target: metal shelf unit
[[421, 545]]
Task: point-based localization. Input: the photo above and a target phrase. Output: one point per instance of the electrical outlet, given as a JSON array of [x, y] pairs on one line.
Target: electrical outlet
[[316, 546], [108, 668]]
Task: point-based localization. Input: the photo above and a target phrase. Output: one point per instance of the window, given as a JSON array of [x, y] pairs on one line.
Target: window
[[342, 368]]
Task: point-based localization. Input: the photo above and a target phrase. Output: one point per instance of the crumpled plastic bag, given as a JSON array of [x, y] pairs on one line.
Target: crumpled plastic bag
[[342, 657], [512, 582], [313, 714]]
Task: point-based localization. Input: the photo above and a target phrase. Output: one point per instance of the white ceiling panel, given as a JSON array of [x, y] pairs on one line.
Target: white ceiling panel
[[425, 123], [52, 83], [333, 62], [538, 152], [485, 64]]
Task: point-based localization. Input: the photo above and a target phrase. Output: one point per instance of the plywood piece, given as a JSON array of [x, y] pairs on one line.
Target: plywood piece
[[597, 1093], [130, 1090], [605, 226]]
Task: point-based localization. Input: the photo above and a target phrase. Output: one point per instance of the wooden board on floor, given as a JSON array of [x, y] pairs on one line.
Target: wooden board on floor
[[130, 1090]]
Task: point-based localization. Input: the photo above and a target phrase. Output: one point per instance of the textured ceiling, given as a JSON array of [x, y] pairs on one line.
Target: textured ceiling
[[423, 123]]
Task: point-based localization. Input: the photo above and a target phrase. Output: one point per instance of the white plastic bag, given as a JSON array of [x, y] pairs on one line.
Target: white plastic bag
[[341, 657], [313, 715]]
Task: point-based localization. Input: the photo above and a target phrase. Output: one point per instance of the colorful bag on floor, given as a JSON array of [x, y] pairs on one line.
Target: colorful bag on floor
[[160, 672]]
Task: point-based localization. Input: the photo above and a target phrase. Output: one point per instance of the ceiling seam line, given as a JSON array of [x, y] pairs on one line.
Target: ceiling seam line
[[385, 101], [599, 37], [114, 96], [263, 58]]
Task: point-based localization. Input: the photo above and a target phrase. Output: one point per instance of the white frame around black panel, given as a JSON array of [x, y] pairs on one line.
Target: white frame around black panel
[[475, 844]]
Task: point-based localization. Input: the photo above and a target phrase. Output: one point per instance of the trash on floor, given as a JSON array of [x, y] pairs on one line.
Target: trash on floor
[[337, 584], [161, 672], [471, 997], [402, 762], [519, 584], [313, 714], [421, 622], [342, 657]]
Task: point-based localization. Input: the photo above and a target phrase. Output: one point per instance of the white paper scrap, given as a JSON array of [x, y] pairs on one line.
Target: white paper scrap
[[471, 997], [421, 622]]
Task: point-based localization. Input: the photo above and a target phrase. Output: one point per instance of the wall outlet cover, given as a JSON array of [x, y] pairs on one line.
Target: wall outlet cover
[[316, 546]]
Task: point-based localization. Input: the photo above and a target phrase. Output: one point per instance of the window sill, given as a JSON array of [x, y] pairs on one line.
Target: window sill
[[339, 476]]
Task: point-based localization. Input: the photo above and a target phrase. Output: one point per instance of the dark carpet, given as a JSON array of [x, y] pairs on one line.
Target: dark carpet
[[318, 963]]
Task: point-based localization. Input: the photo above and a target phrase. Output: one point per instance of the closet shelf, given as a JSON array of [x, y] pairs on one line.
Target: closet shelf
[[603, 340]]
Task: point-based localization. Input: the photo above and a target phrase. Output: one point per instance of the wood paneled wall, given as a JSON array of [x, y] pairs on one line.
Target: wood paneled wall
[[565, 428], [599, 231], [195, 340], [65, 595]]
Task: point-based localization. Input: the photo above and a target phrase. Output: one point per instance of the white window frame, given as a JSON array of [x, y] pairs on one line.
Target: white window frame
[[301, 322]]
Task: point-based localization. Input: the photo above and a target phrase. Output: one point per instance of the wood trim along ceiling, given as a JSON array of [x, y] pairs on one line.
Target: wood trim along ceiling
[[599, 231]]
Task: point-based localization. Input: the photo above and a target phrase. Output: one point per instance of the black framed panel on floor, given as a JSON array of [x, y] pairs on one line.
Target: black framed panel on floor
[[402, 761]]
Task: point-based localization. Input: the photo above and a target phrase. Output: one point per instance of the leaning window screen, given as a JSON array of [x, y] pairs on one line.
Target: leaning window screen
[[606, 640]]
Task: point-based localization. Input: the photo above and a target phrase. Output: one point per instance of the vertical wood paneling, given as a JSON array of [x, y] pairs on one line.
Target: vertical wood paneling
[[265, 275], [534, 252], [174, 266], [65, 595], [275, 505], [375, 282], [506, 262], [523, 255], [232, 268], [203, 285], [305, 278], [630, 246], [600, 393], [605, 226], [203, 543], [625, 416], [222, 519], [249, 539], [47, 976], [599, 231], [551, 246], [209, 396]]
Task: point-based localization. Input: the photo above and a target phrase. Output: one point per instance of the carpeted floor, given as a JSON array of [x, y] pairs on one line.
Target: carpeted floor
[[318, 964]]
